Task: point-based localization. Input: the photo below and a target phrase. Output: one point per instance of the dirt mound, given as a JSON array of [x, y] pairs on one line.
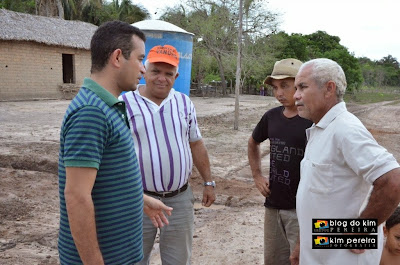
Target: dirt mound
[[42, 157]]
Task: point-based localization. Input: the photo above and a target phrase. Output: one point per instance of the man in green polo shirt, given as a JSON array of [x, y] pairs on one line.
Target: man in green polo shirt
[[100, 186]]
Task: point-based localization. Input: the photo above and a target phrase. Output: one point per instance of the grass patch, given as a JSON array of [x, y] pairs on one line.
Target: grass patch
[[372, 95], [395, 102]]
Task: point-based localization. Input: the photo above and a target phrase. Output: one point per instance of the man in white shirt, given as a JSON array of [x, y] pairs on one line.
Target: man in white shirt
[[167, 143], [342, 164]]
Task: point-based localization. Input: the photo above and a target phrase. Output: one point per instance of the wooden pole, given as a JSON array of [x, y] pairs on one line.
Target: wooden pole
[[238, 67]]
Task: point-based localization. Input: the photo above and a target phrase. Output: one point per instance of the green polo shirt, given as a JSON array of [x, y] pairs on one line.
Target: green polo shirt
[[95, 134]]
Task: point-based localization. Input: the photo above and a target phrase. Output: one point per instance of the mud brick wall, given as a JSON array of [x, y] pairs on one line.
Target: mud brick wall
[[30, 70]]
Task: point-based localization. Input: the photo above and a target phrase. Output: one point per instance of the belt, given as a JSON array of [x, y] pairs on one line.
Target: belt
[[167, 194]]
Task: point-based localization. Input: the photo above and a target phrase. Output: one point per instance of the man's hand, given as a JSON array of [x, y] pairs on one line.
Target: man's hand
[[254, 155], [208, 196], [295, 255], [155, 209], [262, 184]]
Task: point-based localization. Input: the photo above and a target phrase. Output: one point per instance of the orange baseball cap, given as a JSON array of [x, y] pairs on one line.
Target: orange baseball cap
[[164, 54]]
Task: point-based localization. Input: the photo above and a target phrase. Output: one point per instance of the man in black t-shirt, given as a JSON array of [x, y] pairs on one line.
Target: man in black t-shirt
[[285, 130]]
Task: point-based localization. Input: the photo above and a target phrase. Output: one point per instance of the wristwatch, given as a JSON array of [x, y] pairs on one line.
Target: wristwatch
[[210, 183]]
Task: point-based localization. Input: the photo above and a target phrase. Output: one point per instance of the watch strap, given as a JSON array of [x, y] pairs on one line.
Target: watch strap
[[209, 183]]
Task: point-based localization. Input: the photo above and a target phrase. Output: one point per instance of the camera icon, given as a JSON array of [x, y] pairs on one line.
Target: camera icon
[[321, 224], [321, 240]]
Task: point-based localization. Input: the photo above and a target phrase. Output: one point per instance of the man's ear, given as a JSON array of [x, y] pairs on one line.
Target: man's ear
[[115, 58], [385, 231], [176, 76], [331, 89]]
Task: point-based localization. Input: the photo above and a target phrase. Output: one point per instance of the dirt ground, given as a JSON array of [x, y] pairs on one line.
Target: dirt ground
[[229, 232]]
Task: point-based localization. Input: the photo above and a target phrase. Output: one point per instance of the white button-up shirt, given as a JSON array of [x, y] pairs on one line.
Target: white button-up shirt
[[341, 161]]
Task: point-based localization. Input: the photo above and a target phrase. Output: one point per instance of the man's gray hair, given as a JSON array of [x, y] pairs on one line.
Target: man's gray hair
[[146, 65], [324, 70]]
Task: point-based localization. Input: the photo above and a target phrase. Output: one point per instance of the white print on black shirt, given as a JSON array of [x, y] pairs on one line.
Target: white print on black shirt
[[283, 153], [277, 177]]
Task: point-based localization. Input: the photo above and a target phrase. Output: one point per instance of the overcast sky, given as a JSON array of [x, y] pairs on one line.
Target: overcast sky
[[367, 28]]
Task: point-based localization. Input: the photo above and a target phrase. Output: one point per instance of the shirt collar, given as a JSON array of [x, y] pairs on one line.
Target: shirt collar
[[331, 115], [104, 94], [169, 97]]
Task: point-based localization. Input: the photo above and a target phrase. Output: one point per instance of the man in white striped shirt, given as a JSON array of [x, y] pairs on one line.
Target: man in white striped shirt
[[167, 143]]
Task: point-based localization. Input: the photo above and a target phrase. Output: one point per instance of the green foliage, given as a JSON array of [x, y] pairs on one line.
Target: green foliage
[[367, 95], [94, 14], [92, 11], [316, 45], [97, 12], [296, 47], [82, 10], [257, 61], [385, 72], [23, 6], [202, 64], [211, 78], [320, 42], [368, 71], [124, 10], [215, 25], [391, 69], [350, 65]]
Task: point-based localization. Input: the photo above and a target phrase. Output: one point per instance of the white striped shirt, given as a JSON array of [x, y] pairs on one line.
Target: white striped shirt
[[161, 135]]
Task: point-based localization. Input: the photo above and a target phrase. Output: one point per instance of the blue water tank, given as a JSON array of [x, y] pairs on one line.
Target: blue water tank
[[159, 32]]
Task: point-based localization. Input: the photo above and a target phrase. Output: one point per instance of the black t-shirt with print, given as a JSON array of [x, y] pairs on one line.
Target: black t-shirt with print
[[287, 144]]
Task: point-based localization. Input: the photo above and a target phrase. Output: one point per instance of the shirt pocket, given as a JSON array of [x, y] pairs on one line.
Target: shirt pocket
[[321, 181]]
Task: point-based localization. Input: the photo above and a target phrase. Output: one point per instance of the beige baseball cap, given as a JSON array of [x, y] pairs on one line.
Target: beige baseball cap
[[283, 69]]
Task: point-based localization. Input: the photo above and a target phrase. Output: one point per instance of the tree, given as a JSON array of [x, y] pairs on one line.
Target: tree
[[350, 65], [85, 10], [213, 31], [50, 8], [368, 70], [296, 47], [320, 42], [391, 69], [23, 6], [322, 45], [389, 61], [99, 11], [215, 23], [125, 11], [383, 72], [259, 56]]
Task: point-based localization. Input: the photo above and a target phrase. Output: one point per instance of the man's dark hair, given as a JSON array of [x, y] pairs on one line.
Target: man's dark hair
[[394, 219], [109, 37]]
